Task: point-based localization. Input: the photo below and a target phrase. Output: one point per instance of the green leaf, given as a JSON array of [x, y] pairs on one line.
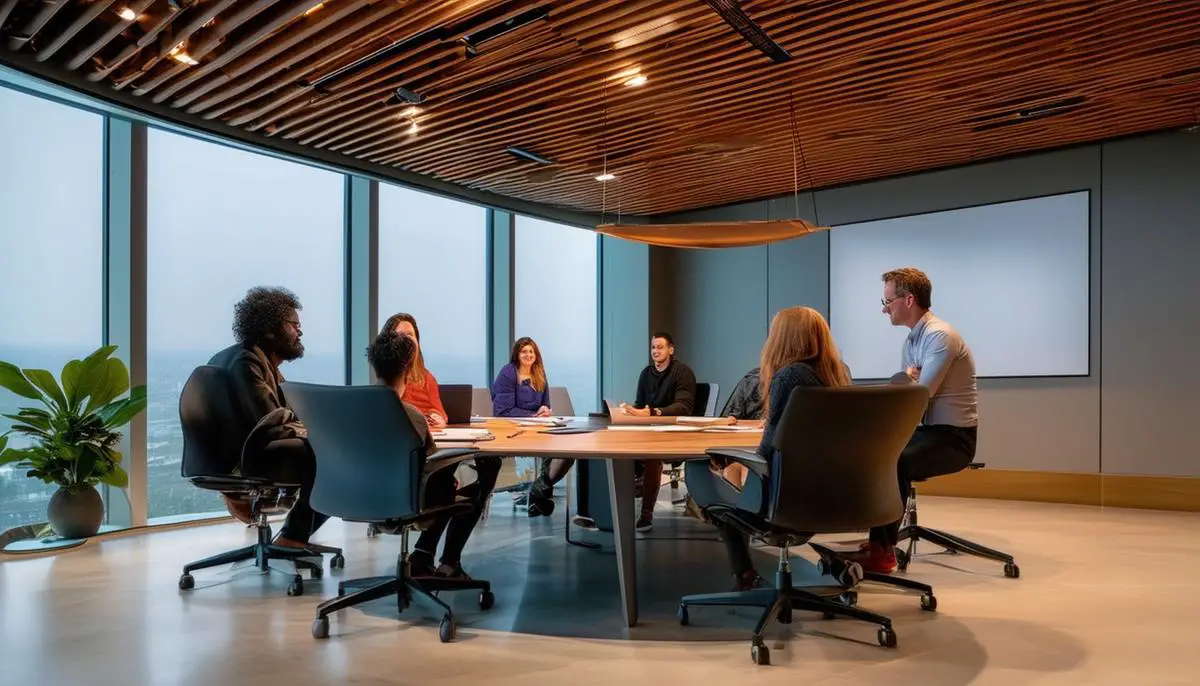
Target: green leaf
[[85, 466], [119, 413], [3, 442], [72, 374], [117, 478], [114, 382], [101, 354], [49, 385], [11, 456], [12, 379], [93, 373]]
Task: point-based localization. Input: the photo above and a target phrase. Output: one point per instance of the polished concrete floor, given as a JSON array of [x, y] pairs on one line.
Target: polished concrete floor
[[1106, 596]]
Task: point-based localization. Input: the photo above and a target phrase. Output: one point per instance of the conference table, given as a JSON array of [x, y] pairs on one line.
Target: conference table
[[619, 448]]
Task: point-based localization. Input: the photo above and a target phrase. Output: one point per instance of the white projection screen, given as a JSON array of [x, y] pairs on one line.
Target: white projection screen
[[1013, 278]]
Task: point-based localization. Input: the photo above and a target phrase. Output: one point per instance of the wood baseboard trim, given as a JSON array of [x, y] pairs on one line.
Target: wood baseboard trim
[[1179, 493]]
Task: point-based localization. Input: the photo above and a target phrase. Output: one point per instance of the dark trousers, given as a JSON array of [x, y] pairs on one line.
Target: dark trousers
[[439, 491], [932, 451], [291, 460]]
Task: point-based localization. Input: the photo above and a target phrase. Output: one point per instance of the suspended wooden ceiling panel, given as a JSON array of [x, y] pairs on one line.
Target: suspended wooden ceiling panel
[[535, 99]]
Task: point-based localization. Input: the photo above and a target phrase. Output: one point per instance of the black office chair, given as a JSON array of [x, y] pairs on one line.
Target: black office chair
[[834, 472], [912, 532], [369, 460], [213, 453], [705, 406]]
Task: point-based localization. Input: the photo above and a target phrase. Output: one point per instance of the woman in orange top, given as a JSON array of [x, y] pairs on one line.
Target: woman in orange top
[[421, 391]]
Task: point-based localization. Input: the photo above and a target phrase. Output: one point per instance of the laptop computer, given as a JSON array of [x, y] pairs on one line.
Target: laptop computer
[[456, 398]]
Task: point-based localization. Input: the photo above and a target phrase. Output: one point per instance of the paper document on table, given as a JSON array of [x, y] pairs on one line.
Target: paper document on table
[[656, 428], [730, 428], [706, 421], [462, 435], [541, 421]]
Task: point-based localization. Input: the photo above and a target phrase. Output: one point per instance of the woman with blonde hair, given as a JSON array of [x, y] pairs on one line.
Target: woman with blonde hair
[[799, 351]]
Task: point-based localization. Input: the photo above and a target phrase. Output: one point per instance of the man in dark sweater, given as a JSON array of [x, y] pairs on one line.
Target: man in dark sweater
[[266, 326], [666, 388]]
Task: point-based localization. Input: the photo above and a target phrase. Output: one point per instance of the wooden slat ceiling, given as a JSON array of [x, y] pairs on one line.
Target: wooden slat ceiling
[[879, 87]]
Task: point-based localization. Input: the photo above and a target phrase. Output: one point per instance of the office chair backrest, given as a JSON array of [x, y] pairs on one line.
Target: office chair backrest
[[213, 428], [705, 404], [481, 402], [560, 402], [834, 470], [369, 456]]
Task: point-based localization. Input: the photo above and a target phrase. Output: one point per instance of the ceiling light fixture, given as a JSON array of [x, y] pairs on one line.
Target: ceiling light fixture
[[606, 177], [314, 8], [179, 54], [413, 128], [639, 80], [127, 14]]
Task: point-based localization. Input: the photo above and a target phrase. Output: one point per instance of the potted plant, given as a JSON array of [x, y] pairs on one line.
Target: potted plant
[[71, 438]]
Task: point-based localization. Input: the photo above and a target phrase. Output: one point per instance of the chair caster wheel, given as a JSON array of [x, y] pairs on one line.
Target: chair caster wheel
[[297, 586], [486, 600], [186, 582], [886, 637], [338, 562], [320, 628], [760, 654], [683, 615], [446, 629], [929, 602], [1012, 571]]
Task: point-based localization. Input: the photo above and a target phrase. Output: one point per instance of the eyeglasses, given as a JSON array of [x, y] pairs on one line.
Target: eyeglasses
[[887, 302]]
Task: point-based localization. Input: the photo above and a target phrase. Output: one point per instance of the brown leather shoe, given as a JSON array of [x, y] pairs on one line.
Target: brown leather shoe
[[240, 509]]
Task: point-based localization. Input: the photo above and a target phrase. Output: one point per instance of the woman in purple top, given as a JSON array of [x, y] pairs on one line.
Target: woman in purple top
[[521, 390]]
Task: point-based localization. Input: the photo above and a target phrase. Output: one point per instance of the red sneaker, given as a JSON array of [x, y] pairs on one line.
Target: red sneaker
[[874, 557]]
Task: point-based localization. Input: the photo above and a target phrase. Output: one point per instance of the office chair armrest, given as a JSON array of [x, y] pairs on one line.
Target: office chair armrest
[[744, 456], [447, 457], [757, 526]]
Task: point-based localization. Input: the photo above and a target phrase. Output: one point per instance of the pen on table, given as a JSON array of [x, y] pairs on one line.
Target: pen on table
[[516, 433]]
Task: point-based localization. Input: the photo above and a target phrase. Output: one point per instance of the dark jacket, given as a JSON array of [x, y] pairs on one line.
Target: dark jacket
[[256, 391], [673, 390], [745, 402], [511, 398]]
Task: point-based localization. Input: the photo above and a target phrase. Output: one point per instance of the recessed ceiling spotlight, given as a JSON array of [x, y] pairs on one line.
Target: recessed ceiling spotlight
[[413, 128], [639, 80], [606, 177], [314, 8], [411, 112], [127, 14]]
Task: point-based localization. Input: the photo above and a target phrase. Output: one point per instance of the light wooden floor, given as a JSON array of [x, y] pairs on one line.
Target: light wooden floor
[[1105, 597]]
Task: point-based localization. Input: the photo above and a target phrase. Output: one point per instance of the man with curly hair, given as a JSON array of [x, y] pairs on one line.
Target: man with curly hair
[[266, 326]]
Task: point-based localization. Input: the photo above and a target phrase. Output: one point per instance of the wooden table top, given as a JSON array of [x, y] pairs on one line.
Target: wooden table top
[[531, 441]]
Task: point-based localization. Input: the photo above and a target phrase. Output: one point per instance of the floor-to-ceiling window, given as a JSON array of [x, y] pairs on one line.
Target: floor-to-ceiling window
[[220, 221], [51, 258], [555, 303], [433, 265]]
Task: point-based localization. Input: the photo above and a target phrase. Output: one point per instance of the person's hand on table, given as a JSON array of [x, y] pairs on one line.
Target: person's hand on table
[[543, 411], [435, 421], [633, 411]]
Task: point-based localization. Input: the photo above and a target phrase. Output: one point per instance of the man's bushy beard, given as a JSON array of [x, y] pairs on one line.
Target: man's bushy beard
[[287, 348]]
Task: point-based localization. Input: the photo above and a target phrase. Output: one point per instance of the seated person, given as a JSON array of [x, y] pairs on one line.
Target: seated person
[[745, 403], [392, 356], [666, 388], [799, 351], [522, 390], [935, 355], [266, 326]]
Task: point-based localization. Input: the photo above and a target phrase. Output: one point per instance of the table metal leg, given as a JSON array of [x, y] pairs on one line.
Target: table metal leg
[[620, 489]]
